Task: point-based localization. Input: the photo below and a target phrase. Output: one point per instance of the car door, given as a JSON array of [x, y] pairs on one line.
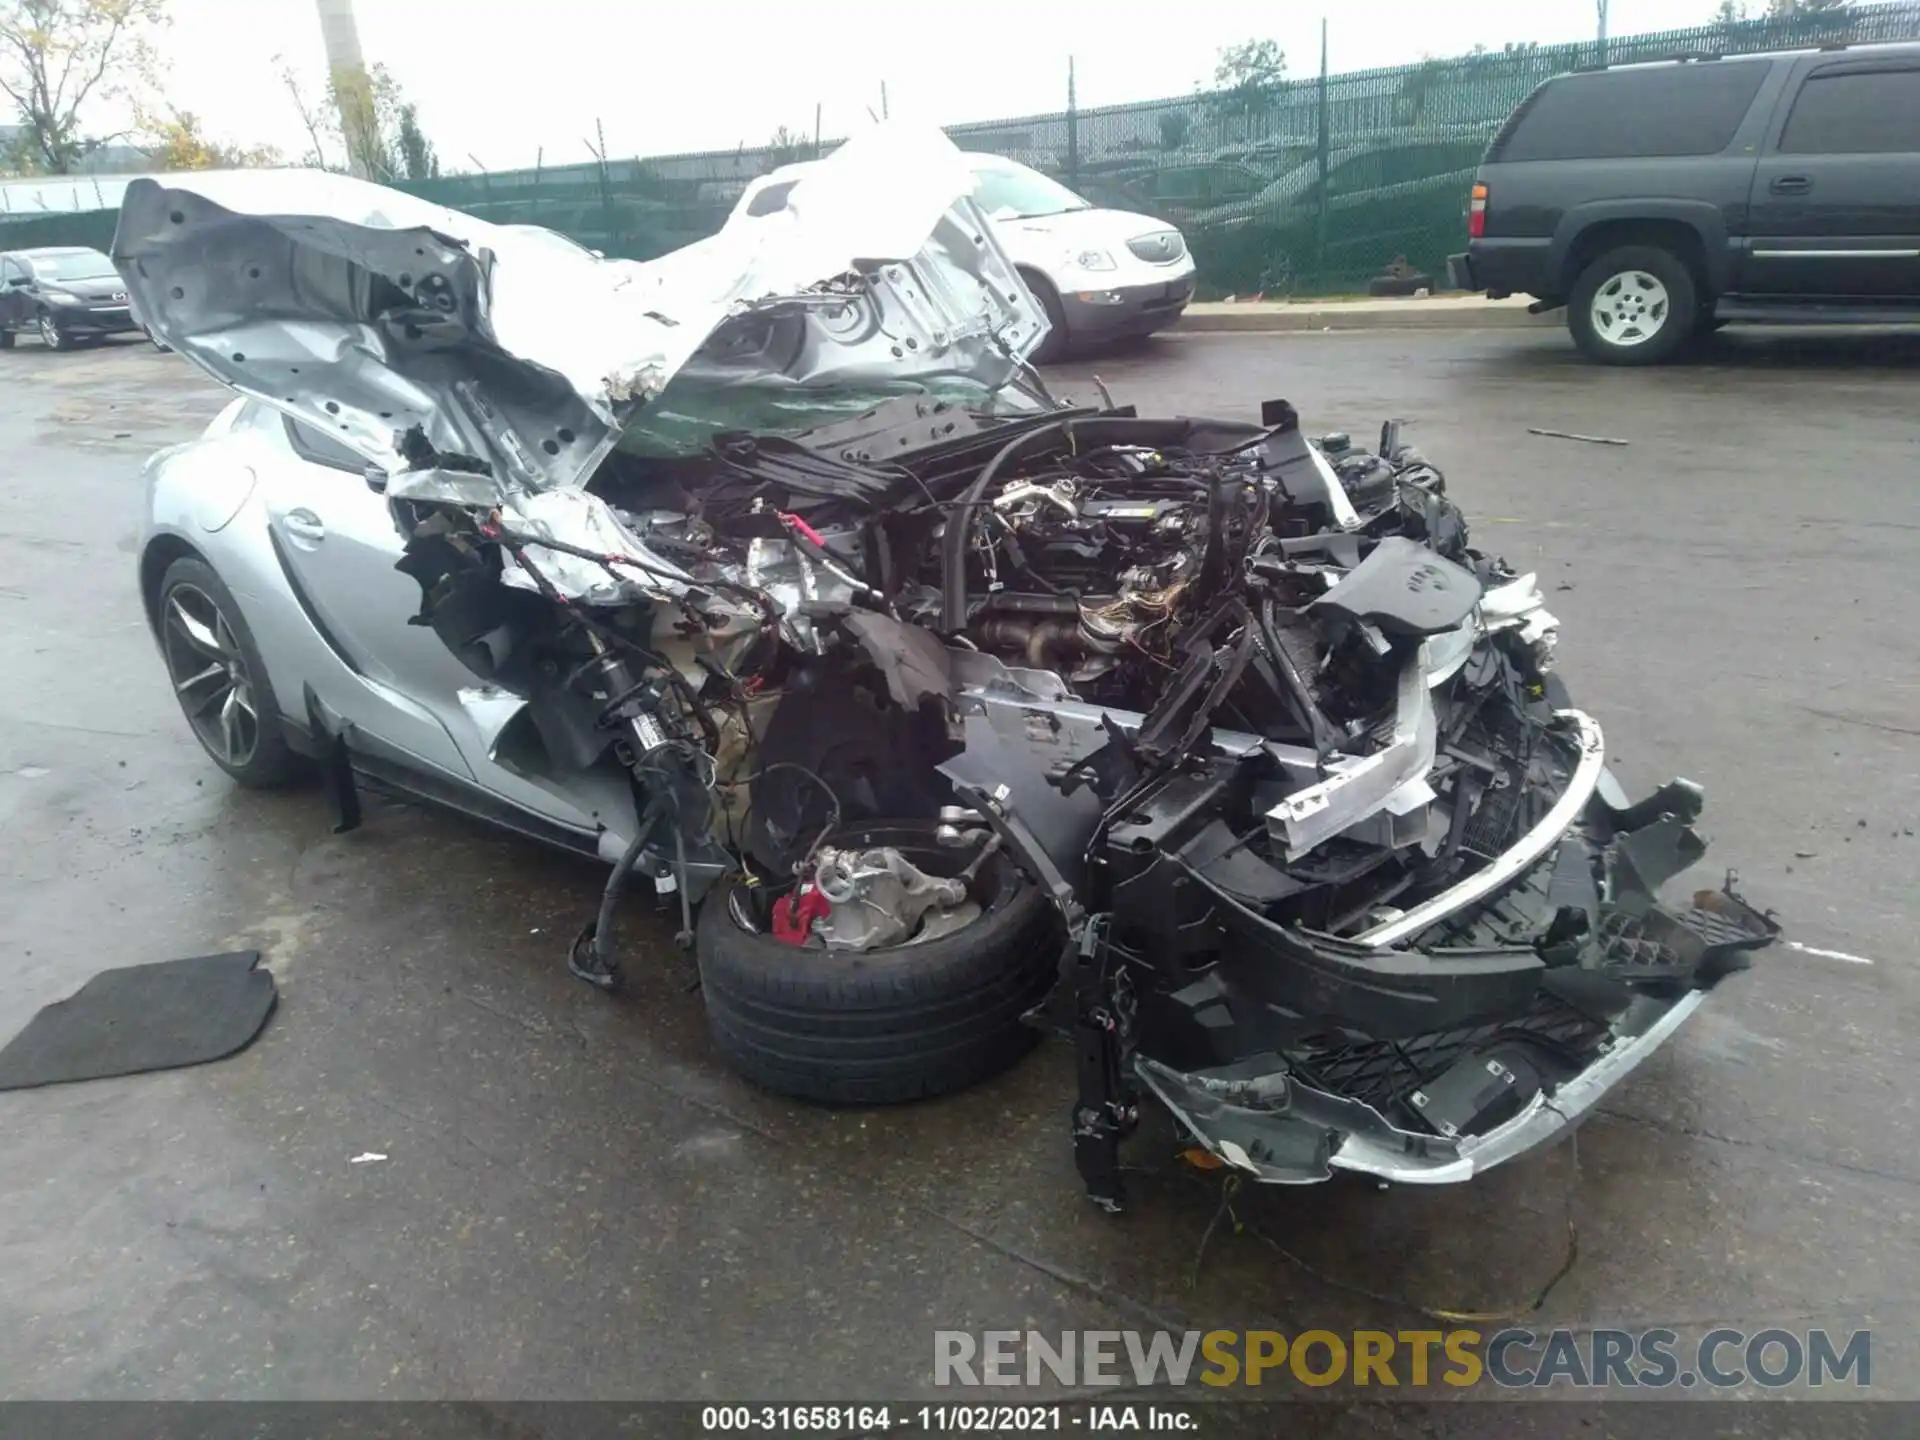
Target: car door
[[338, 545], [1835, 207], [13, 279]]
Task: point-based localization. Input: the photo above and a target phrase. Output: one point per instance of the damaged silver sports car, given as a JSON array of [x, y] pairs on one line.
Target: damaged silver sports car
[[771, 575]]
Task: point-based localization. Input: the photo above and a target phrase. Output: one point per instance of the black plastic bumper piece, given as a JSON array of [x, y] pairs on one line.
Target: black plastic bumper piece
[[1382, 992]]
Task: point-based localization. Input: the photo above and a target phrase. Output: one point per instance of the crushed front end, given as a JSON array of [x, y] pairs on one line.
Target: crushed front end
[[788, 571], [1415, 939]]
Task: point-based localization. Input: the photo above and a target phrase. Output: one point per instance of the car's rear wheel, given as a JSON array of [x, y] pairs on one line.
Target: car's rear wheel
[[6, 339], [51, 335], [889, 1024], [219, 678], [1636, 305]]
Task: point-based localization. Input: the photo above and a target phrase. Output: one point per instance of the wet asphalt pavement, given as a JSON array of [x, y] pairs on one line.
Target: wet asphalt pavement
[[578, 1200]]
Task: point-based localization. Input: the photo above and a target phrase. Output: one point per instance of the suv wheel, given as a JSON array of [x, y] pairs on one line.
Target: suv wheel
[[1633, 306]]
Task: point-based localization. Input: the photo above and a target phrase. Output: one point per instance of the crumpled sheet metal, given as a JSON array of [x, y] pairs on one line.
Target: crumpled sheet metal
[[1393, 777], [585, 522], [363, 311]]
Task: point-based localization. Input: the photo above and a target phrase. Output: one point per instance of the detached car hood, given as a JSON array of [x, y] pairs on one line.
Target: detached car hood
[[370, 313]]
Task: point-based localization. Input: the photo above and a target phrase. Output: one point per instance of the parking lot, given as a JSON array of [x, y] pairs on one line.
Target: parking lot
[[578, 1200]]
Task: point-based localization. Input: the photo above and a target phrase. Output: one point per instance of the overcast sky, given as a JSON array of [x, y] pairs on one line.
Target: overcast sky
[[499, 79]]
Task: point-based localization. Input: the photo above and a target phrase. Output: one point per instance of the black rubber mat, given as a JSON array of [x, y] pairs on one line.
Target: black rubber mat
[[145, 1017]]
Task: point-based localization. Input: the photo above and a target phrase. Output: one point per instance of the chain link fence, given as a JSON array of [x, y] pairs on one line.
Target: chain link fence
[[1309, 186]]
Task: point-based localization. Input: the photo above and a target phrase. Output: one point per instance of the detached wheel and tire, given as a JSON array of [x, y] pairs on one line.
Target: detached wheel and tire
[[1636, 305], [885, 1025]]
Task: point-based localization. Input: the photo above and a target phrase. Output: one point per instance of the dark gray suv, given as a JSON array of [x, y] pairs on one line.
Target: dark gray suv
[[62, 294], [1654, 201]]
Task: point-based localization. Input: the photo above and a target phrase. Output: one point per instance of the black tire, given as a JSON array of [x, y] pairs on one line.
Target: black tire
[[883, 1026], [1677, 311], [6, 339], [1055, 346], [51, 335], [268, 762]]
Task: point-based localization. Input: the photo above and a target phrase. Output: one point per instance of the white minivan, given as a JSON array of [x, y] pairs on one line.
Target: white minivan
[[1101, 274]]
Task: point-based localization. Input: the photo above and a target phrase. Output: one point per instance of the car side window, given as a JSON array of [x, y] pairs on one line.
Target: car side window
[[773, 199], [10, 271], [321, 448], [1690, 109], [1863, 112]]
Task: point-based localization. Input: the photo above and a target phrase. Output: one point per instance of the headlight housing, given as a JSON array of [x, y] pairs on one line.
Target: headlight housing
[[1094, 260], [63, 297]]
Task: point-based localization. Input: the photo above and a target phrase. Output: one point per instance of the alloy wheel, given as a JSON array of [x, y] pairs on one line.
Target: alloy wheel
[[49, 332], [210, 675], [1630, 309]]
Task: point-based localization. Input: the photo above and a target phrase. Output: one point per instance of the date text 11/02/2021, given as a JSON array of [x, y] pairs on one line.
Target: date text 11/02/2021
[[953, 1418]]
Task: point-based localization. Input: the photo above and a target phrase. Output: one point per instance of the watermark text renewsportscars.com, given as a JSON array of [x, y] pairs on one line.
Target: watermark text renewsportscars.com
[[1513, 1358]]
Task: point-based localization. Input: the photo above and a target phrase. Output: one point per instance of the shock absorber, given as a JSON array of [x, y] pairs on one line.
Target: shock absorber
[[632, 706]]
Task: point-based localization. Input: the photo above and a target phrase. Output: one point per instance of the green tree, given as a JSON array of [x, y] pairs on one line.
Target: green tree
[[59, 56], [175, 141], [786, 146], [366, 125], [1826, 21], [1174, 128], [368, 103], [1246, 82], [1410, 100], [414, 151]]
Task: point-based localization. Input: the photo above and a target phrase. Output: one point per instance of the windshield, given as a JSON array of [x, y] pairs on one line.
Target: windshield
[[1016, 193], [84, 265]]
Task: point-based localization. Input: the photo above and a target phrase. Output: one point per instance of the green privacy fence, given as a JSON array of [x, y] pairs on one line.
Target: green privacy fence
[[1294, 186], [1300, 186], [85, 227]]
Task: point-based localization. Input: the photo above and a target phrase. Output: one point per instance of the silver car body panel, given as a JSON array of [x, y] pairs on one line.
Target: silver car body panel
[[366, 313], [1371, 1144]]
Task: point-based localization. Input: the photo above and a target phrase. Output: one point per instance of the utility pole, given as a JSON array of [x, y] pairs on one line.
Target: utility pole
[[1601, 7], [347, 80], [1325, 158], [1073, 130]]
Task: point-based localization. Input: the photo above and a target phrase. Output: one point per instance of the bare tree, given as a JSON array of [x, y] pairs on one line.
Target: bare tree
[[56, 56], [366, 124], [321, 127]]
